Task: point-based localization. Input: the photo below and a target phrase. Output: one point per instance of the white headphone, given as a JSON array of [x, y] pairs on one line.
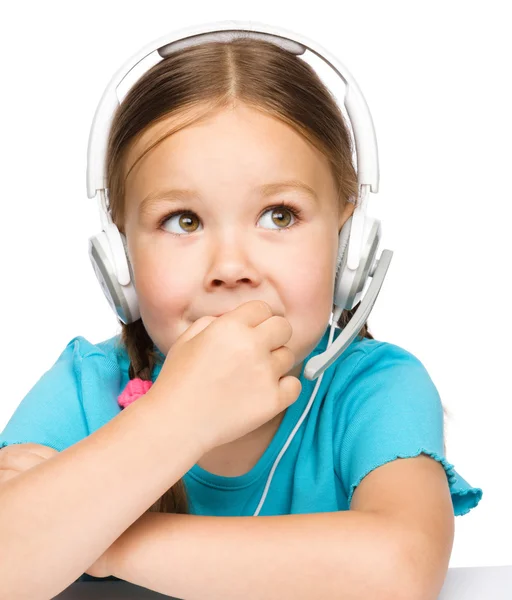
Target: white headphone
[[359, 237]]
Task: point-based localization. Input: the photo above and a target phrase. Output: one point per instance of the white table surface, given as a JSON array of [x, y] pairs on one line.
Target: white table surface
[[478, 583], [462, 583]]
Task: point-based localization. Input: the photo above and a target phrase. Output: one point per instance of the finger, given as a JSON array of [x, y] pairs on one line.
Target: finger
[[274, 332], [6, 474], [195, 328], [20, 460], [283, 360], [290, 388], [39, 449], [251, 313]]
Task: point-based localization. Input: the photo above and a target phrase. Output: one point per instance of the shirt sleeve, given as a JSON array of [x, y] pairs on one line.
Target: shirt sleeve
[[58, 409], [392, 409]]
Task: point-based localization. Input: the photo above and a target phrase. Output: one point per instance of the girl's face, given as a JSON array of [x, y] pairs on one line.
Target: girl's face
[[228, 243]]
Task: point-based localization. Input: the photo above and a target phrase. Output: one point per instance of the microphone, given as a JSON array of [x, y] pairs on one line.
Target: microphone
[[319, 363]]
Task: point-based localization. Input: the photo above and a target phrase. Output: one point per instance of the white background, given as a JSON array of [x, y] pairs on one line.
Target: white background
[[436, 77]]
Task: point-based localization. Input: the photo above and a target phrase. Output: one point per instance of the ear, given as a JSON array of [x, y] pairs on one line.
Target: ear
[[347, 211]]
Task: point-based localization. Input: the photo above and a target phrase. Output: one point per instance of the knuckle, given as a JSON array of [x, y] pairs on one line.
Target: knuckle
[[240, 338], [246, 347]]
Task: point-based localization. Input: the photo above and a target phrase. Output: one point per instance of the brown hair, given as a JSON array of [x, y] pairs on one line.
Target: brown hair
[[204, 79]]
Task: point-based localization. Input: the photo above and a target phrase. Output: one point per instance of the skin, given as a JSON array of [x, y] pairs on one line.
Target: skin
[[234, 247]]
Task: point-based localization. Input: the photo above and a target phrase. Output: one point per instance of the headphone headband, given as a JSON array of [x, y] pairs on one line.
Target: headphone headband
[[360, 117]]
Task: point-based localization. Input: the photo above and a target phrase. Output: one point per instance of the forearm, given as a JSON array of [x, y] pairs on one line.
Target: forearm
[[58, 517], [338, 555]]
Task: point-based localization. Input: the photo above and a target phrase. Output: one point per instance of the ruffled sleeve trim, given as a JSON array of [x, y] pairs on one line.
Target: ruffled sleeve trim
[[464, 496]]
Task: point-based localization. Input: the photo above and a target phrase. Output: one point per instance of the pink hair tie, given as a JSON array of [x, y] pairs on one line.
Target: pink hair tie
[[135, 389]]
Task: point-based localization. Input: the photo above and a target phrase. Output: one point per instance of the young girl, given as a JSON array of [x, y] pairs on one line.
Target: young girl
[[197, 155]]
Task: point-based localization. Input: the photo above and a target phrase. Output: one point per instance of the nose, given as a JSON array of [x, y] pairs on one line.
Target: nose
[[232, 263]]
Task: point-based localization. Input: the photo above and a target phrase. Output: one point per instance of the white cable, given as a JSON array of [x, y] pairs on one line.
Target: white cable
[[336, 315]]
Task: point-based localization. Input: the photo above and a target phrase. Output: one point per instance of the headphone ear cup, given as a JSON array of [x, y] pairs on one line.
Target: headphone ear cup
[[341, 260], [125, 246], [343, 239], [121, 298], [349, 285]]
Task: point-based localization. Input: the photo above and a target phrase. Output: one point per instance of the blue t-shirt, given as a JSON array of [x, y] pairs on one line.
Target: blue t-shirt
[[376, 402]]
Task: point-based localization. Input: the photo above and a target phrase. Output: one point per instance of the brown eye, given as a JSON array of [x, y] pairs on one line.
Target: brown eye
[[185, 221], [278, 217]]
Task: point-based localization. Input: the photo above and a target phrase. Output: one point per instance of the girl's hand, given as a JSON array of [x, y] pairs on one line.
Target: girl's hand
[[227, 375], [16, 459]]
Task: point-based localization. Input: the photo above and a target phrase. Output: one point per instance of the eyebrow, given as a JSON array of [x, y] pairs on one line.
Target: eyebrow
[[266, 190]]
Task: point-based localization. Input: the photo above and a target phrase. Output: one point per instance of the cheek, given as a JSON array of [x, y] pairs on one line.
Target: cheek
[[161, 286], [310, 284]]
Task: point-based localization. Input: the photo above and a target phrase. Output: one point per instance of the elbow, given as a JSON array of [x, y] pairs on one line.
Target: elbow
[[422, 570]]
